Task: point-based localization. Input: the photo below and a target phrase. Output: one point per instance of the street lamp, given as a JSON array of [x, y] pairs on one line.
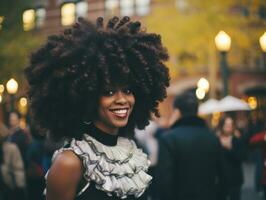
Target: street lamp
[[204, 84], [12, 88], [223, 44], [263, 47]]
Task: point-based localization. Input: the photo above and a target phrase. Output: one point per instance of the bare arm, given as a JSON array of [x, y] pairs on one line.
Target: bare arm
[[64, 177]]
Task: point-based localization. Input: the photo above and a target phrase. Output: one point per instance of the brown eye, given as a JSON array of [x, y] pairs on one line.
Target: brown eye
[[127, 91], [109, 93]]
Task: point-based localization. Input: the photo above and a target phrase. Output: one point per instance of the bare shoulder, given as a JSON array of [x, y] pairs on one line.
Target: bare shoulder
[[64, 176]]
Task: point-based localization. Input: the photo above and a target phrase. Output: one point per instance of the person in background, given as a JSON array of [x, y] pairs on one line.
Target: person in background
[[234, 152], [35, 170], [17, 135], [148, 142], [12, 174], [258, 141], [190, 156]]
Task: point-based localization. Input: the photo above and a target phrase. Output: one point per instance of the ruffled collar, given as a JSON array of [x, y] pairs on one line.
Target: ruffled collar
[[117, 170]]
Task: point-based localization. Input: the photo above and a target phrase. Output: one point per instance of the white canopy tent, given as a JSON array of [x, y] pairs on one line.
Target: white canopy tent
[[228, 103], [208, 107]]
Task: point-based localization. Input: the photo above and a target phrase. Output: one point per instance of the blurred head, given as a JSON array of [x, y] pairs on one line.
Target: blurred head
[[14, 119], [187, 104], [227, 125]]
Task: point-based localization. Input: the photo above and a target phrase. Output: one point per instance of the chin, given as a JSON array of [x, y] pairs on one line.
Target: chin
[[121, 124]]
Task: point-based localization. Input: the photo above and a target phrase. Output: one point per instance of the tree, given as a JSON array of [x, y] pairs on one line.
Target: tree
[[189, 28], [15, 44]]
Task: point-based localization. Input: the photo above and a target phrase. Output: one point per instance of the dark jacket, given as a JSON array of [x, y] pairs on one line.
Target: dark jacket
[[233, 163], [20, 138], [190, 162]]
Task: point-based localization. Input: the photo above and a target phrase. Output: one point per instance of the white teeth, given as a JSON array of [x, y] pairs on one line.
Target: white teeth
[[124, 111]]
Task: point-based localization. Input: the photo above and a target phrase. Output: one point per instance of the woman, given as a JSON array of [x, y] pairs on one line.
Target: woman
[[93, 85], [12, 175], [234, 153]]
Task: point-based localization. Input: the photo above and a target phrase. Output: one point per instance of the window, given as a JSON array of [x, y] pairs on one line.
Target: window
[[82, 9], [111, 4], [28, 19], [68, 14], [1, 21], [40, 17], [142, 7], [127, 7]]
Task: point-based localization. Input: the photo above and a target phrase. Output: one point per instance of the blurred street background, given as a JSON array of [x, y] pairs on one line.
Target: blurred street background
[[217, 50]]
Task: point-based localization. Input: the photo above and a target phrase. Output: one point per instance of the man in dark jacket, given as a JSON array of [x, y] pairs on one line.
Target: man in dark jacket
[[190, 156]]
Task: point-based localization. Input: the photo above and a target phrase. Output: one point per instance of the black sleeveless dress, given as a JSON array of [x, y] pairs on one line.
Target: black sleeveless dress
[[114, 168]]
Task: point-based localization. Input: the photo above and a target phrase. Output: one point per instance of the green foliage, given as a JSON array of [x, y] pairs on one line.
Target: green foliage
[[188, 31], [15, 44], [14, 52]]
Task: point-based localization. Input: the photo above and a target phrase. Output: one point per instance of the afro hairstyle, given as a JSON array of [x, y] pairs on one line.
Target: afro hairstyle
[[67, 74]]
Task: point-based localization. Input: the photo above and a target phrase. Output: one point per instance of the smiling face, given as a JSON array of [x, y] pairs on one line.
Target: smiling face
[[115, 107], [228, 127]]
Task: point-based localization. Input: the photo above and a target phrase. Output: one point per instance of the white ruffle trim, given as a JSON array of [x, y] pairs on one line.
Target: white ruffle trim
[[119, 169]]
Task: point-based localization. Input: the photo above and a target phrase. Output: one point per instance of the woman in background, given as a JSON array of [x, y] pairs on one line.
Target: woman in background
[[234, 153], [12, 175]]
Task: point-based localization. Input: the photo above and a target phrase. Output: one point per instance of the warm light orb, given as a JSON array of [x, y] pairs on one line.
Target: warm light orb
[[12, 86], [28, 19], [252, 102], [263, 42], [204, 84], [1, 98], [1, 21], [2, 88], [68, 14], [223, 41], [200, 93], [23, 101]]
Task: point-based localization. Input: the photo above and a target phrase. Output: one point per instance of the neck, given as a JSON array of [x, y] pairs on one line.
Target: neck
[[108, 130]]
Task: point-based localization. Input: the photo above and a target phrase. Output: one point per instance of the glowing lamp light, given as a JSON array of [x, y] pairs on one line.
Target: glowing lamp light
[[204, 84], [1, 21], [263, 42], [28, 19], [223, 41], [252, 101], [200, 93], [1, 98], [68, 14], [2, 88], [12, 86], [23, 101]]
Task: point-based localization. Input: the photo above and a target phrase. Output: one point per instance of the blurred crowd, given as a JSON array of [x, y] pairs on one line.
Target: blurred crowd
[[194, 160], [190, 159], [25, 157]]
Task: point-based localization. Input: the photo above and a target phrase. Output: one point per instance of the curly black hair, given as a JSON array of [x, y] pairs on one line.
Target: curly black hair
[[67, 74]]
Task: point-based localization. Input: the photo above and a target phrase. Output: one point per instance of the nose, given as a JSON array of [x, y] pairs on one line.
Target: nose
[[120, 97]]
